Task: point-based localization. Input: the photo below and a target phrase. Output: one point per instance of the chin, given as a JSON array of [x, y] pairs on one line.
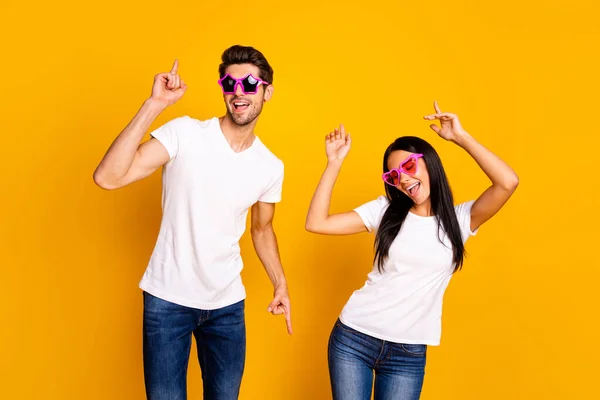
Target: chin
[[241, 121], [421, 201]]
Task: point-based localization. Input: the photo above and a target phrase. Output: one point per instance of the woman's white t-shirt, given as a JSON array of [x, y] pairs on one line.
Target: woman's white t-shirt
[[403, 304]]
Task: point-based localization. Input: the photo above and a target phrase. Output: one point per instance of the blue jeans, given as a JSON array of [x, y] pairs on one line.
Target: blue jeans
[[353, 357], [221, 343]]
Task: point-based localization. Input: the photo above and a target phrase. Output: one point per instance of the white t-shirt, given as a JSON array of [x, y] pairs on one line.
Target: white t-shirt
[[207, 191], [404, 303]]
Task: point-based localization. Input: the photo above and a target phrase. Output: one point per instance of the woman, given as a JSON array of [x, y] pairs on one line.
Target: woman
[[386, 326]]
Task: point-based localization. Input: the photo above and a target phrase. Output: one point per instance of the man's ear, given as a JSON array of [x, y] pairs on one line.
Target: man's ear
[[268, 93]]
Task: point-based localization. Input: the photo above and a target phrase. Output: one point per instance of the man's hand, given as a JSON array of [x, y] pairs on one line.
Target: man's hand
[[168, 87], [281, 305]]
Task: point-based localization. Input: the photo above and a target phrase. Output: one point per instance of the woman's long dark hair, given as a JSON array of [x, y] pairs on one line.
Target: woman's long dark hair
[[442, 203]]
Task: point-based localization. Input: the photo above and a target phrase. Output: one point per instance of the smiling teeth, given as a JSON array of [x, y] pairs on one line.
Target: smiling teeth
[[412, 186]]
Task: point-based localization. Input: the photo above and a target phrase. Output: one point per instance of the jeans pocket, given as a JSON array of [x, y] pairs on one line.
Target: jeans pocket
[[343, 336], [414, 349], [346, 329], [156, 304]]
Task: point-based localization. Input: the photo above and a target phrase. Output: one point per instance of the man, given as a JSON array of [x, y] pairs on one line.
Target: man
[[214, 171]]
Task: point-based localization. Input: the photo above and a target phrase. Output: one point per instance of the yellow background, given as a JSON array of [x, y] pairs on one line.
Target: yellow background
[[520, 321]]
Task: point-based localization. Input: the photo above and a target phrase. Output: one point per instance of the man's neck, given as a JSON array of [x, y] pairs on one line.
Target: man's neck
[[239, 137]]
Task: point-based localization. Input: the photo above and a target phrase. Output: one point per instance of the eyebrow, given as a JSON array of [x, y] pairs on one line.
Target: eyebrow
[[406, 159]]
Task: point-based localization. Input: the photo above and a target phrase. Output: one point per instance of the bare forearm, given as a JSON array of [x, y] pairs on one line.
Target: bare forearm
[[499, 172], [267, 249], [321, 201], [120, 155]]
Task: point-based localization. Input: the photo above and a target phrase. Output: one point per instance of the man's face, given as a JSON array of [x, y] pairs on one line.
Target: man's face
[[245, 108]]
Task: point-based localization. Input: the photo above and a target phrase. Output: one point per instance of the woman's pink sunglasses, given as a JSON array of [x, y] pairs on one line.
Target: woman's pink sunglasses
[[410, 166]]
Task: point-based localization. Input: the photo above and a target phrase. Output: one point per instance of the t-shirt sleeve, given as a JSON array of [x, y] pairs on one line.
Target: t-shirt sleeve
[[463, 214], [272, 194], [168, 135], [372, 212]]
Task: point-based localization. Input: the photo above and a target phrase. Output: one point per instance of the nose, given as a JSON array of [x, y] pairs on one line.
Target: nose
[[404, 177], [238, 89]]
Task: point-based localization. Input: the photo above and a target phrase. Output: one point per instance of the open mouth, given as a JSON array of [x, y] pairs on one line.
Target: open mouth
[[413, 190], [240, 106]]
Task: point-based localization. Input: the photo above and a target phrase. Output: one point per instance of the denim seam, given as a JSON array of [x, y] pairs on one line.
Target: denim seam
[[350, 331], [207, 316], [380, 353], [413, 353]]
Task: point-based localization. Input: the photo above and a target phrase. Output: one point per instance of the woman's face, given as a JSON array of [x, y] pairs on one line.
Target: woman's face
[[413, 179]]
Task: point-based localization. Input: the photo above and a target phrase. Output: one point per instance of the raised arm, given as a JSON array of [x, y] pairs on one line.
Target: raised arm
[[504, 179], [319, 220], [127, 161]]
